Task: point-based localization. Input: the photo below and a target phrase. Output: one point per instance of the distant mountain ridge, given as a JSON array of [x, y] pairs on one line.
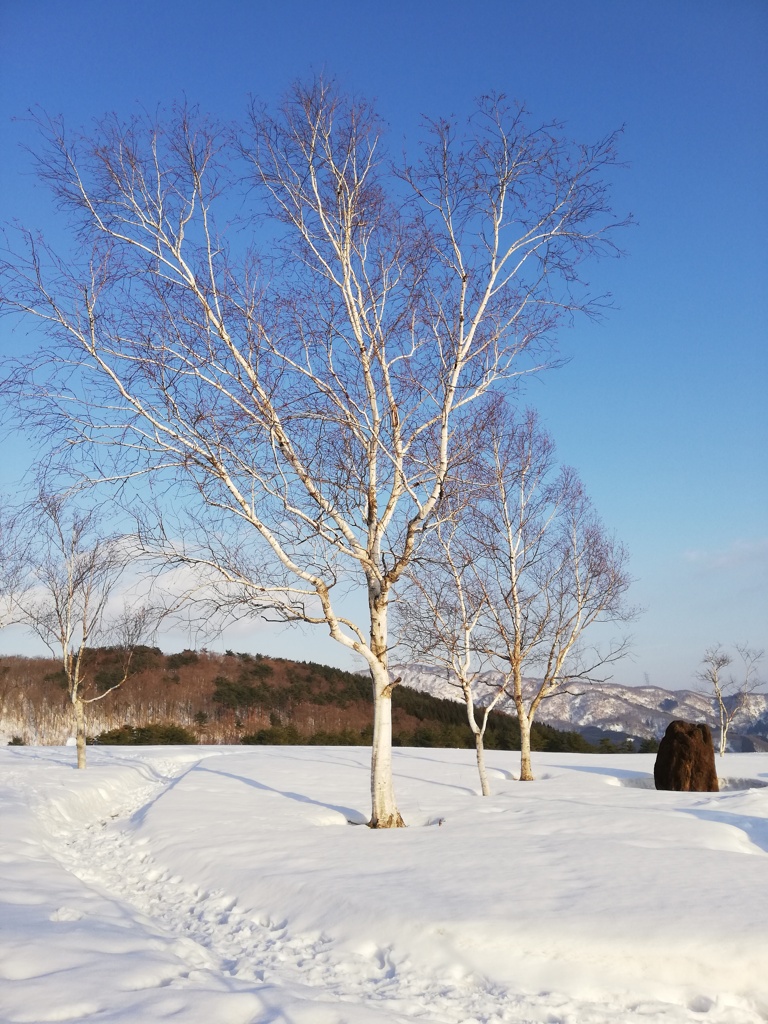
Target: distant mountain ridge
[[609, 709]]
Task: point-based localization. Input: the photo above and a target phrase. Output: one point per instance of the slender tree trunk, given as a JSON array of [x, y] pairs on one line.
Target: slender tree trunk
[[479, 746], [480, 754], [79, 730], [526, 772], [723, 729], [384, 812]]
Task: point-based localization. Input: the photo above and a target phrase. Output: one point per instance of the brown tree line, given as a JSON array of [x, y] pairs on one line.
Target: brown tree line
[[178, 689]]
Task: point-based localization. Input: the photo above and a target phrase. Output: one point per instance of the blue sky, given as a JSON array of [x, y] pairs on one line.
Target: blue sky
[[662, 407]]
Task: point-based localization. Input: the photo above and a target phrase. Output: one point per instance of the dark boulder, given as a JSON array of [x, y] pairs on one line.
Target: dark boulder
[[686, 759]]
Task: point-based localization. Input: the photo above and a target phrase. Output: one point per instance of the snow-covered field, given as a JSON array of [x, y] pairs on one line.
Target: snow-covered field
[[235, 886]]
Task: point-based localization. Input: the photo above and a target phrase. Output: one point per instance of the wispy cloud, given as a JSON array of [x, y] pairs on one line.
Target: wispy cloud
[[739, 554]]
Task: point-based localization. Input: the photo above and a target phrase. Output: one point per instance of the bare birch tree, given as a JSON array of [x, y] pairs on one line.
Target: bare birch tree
[[731, 692], [65, 576], [548, 569], [442, 610], [292, 383]]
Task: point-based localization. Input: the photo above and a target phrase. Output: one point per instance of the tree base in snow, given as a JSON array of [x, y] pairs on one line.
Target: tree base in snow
[[392, 821]]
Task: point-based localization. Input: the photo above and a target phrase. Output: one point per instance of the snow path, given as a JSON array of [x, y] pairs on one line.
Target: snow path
[[221, 938]]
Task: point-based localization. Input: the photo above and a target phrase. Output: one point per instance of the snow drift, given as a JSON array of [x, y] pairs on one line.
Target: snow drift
[[222, 884]]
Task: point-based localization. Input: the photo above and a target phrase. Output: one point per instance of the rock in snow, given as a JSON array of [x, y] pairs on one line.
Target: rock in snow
[[686, 759]]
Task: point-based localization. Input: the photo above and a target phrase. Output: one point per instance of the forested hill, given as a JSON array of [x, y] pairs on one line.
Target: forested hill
[[232, 698]]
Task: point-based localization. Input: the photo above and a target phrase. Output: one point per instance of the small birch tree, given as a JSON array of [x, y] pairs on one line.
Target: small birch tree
[[65, 576], [292, 389], [441, 612], [731, 692], [548, 569]]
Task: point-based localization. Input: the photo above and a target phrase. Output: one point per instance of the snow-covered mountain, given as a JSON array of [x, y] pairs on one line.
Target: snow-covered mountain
[[596, 709]]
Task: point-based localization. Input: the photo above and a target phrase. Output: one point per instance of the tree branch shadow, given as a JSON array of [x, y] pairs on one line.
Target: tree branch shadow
[[351, 814]]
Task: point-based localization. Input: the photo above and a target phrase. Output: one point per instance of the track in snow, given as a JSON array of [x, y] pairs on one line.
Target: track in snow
[[237, 943]]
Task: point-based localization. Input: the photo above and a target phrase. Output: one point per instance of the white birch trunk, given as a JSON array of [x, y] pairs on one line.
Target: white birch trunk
[[526, 772], [480, 755], [79, 730], [384, 812], [479, 734]]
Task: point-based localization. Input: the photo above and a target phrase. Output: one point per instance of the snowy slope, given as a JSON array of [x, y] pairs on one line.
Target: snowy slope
[[231, 886], [643, 711]]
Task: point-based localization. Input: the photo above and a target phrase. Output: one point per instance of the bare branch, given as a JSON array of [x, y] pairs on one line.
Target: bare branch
[[297, 404], [732, 693], [60, 580], [536, 570]]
